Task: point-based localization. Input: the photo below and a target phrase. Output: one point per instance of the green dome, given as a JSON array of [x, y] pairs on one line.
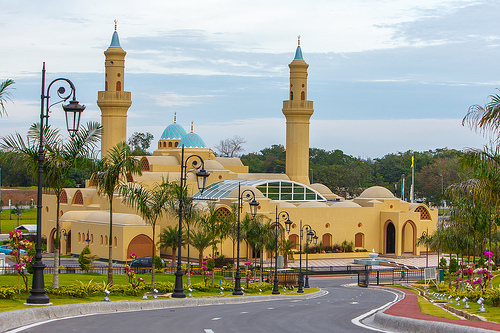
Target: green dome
[[192, 140], [173, 132]]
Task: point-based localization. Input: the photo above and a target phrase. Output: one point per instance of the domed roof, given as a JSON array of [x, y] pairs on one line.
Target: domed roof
[[345, 204], [173, 132], [192, 140], [376, 192]]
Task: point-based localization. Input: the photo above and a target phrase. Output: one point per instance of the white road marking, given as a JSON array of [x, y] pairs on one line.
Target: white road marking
[[270, 308], [215, 318], [208, 330], [244, 312], [357, 320], [297, 300], [353, 302]]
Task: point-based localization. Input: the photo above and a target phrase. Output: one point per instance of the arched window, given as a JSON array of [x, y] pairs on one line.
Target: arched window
[[106, 88], [116, 241], [63, 198], [106, 240], [78, 198], [79, 237], [118, 86], [291, 95], [145, 164], [303, 96], [170, 144], [222, 212], [424, 213]]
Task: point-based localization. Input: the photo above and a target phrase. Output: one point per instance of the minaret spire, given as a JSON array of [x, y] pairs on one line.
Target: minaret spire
[[298, 111], [117, 22]]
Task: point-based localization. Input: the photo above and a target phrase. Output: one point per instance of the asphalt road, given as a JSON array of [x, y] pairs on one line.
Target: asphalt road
[[332, 312]]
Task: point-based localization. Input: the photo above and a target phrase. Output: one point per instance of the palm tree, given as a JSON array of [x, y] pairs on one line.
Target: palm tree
[[169, 238], [200, 240], [485, 118], [287, 247], [60, 159], [190, 215], [4, 94], [151, 204], [115, 168]]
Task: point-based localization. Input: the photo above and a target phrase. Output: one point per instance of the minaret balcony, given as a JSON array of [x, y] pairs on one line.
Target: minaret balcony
[[297, 104], [114, 95]]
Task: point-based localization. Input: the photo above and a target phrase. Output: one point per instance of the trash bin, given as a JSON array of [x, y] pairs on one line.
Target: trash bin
[[441, 275]]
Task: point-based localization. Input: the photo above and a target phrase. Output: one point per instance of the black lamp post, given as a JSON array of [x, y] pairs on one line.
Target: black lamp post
[[65, 234], [425, 233], [197, 164], [88, 238], [283, 215], [311, 236], [247, 195], [73, 112]]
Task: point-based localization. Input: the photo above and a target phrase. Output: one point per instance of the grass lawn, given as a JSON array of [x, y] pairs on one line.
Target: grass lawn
[[28, 216], [429, 308], [68, 279]]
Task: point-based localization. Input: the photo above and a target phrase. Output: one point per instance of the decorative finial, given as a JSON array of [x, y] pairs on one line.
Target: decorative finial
[[191, 127], [115, 24], [298, 39], [175, 117]]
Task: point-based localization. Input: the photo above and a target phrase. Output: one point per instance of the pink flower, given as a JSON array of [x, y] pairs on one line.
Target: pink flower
[[488, 254], [248, 263], [133, 256], [141, 280]]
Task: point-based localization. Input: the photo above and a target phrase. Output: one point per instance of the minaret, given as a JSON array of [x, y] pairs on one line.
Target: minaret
[[298, 111], [114, 102]]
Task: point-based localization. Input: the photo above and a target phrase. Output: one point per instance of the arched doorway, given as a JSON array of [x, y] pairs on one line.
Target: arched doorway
[[295, 240], [409, 238], [327, 240], [141, 245], [52, 240], [390, 238]]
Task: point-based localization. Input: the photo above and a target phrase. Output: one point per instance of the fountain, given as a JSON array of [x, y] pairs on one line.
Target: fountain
[[374, 259]]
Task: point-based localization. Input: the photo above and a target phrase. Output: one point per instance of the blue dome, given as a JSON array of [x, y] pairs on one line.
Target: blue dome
[[192, 140], [173, 132]]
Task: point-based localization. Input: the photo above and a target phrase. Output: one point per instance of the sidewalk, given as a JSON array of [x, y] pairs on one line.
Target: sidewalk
[[405, 316]]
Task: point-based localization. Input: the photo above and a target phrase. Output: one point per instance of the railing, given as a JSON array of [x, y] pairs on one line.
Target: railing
[[389, 276]]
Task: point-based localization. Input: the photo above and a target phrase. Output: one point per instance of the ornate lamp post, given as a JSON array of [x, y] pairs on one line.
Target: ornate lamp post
[[197, 164], [314, 239], [283, 215], [64, 233], [88, 238], [425, 233], [309, 234], [73, 112], [247, 195]]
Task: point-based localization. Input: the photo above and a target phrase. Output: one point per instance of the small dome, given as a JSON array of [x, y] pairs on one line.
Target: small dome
[[376, 192], [173, 132], [192, 140], [345, 204]]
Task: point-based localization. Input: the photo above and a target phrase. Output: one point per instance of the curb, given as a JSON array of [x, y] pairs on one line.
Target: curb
[[14, 319]]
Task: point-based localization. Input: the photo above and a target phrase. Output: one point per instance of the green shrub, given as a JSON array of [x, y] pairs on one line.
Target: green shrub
[[443, 264], [158, 263], [453, 265], [83, 259]]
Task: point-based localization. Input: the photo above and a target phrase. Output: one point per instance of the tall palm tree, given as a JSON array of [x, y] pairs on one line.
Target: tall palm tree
[[200, 240], [190, 213], [60, 158], [485, 118], [169, 238], [5, 94], [151, 205], [114, 169]]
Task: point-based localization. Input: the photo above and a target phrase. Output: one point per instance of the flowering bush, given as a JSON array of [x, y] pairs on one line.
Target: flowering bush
[[132, 278], [20, 246]]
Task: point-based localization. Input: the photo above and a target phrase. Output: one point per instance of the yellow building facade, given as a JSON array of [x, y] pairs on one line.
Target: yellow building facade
[[375, 220]]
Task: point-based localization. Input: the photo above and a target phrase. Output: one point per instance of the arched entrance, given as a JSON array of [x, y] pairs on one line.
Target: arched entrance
[[141, 245], [409, 238], [390, 238]]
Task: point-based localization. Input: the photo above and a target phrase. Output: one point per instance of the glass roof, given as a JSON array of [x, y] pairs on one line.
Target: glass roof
[[272, 189]]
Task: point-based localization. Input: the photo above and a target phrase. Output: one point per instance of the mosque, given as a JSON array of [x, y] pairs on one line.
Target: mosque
[[375, 220]]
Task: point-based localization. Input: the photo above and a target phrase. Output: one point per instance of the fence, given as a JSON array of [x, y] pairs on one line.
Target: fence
[[389, 276]]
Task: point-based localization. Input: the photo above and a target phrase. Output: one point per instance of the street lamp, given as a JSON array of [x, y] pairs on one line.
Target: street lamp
[[64, 233], [283, 215], [73, 112], [88, 238], [202, 174], [247, 195], [311, 236], [425, 233]]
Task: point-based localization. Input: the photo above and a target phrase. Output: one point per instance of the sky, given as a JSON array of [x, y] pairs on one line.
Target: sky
[[385, 76]]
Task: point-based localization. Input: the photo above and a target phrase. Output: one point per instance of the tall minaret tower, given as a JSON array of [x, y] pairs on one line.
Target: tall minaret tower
[[114, 101], [298, 111]]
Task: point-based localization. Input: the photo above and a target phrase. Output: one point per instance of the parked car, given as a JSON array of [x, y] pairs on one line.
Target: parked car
[[7, 249], [143, 265]]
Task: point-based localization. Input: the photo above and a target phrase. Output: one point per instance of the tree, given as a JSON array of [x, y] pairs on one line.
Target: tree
[[151, 205], [484, 119], [60, 158], [169, 238], [140, 142], [231, 147], [200, 240], [5, 94], [114, 169]]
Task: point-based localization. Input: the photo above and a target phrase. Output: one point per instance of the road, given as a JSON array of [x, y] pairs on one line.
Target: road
[[332, 312]]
